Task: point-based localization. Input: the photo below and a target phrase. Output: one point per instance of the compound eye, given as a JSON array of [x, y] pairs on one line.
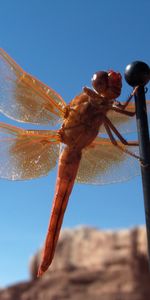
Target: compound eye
[[114, 76], [100, 81]]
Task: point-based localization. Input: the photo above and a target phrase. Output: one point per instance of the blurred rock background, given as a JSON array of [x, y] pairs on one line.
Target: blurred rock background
[[92, 264]]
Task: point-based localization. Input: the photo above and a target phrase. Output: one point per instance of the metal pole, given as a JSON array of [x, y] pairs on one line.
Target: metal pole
[[144, 150], [138, 74]]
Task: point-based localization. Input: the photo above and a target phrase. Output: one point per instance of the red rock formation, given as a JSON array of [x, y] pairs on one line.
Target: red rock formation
[[105, 265]]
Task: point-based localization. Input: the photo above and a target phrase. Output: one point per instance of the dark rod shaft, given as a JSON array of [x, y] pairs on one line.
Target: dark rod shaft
[[144, 149]]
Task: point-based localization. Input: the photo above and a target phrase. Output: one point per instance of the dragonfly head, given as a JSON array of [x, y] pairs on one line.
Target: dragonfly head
[[108, 84]]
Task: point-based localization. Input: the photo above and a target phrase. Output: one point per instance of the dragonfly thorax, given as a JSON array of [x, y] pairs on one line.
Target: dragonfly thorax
[[83, 119]]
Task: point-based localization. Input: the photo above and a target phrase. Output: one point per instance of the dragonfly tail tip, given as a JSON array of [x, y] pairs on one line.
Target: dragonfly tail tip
[[40, 273]]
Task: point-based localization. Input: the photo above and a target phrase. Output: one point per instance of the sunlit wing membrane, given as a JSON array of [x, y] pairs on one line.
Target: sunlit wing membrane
[[103, 163], [27, 154], [26, 99], [123, 123]]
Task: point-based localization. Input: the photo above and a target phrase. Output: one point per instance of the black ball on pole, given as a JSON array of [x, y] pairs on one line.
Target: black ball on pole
[[137, 73]]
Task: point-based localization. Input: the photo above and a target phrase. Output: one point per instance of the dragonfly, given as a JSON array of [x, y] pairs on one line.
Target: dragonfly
[[80, 145]]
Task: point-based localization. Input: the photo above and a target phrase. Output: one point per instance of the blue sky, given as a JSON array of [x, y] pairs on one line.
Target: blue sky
[[63, 42]]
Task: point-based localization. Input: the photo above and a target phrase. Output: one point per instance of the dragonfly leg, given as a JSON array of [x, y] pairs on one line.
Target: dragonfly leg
[[123, 106], [109, 128], [120, 108], [123, 112], [129, 98], [118, 134]]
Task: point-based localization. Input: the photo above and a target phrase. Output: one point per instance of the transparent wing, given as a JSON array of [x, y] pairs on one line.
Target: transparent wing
[[26, 99], [103, 163], [27, 154], [125, 124]]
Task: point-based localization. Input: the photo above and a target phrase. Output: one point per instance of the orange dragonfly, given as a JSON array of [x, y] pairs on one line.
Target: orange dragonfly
[[85, 156]]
